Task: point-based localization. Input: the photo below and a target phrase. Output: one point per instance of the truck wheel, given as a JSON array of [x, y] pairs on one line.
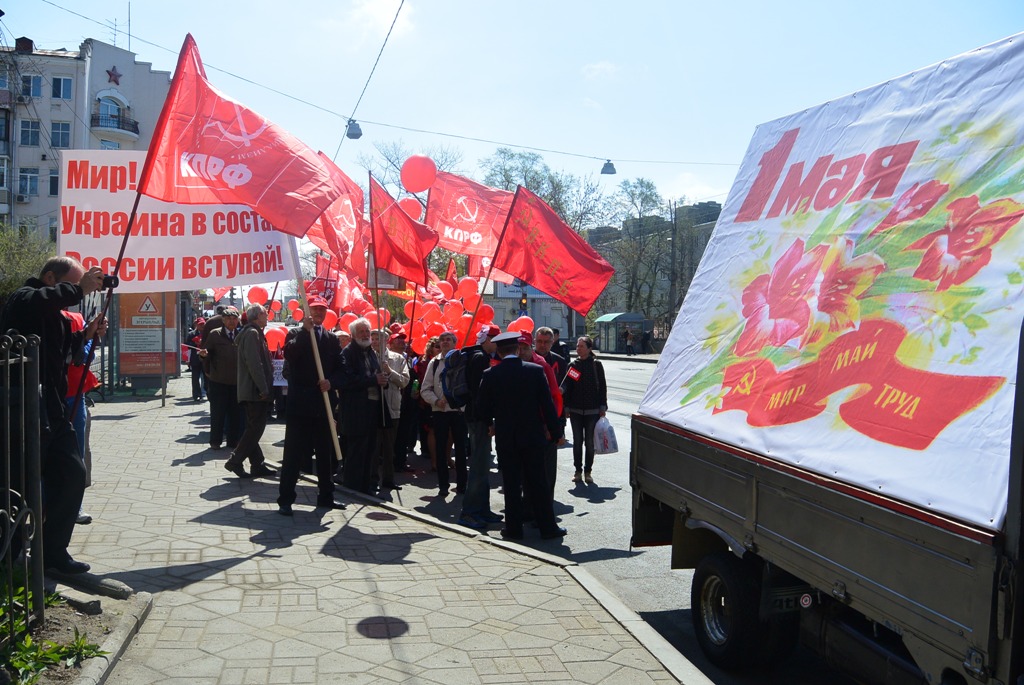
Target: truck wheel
[[724, 600]]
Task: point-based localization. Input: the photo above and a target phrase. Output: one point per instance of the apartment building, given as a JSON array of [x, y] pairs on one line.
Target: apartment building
[[98, 97]]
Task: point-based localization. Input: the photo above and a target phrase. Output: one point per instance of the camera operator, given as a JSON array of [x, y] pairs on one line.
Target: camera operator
[[35, 309]]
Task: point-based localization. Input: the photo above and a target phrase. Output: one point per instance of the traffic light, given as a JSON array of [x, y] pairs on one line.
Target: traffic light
[[522, 302]]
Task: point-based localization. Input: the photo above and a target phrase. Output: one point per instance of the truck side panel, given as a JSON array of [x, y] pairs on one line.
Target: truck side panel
[[932, 585]]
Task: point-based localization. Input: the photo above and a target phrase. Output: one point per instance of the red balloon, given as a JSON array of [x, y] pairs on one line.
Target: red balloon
[[298, 314], [407, 309], [412, 207], [418, 173], [468, 286], [417, 329], [431, 313], [419, 344], [275, 305], [523, 323], [270, 315], [384, 316], [446, 289], [330, 318], [293, 305], [471, 302], [435, 328], [275, 336], [257, 295], [485, 314], [372, 318], [346, 319]]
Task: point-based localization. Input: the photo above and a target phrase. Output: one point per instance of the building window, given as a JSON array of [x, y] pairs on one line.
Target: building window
[[3, 174], [62, 88], [60, 134], [27, 225], [32, 86], [110, 108], [54, 182], [28, 180], [30, 132], [109, 145], [54, 224], [4, 81]]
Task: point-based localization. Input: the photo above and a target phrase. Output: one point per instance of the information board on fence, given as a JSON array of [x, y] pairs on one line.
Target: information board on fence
[[172, 247], [858, 308]]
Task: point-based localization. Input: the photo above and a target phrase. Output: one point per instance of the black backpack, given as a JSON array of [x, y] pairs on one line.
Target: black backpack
[[454, 383]]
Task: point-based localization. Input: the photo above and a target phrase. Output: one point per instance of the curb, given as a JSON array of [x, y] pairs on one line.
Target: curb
[[97, 670]]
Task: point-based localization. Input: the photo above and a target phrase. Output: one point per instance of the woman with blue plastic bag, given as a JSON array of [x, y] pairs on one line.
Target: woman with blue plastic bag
[[585, 397]]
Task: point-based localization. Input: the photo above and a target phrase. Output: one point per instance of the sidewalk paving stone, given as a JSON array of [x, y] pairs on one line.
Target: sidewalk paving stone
[[371, 594]]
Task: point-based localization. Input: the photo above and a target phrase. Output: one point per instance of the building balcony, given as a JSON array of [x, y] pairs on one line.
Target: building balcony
[[117, 124]]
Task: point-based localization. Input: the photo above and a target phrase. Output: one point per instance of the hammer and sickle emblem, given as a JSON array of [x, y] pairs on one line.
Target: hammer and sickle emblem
[[346, 217], [244, 137], [468, 210], [746, 383]]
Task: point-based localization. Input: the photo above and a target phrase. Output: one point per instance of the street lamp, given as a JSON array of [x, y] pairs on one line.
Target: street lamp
[[608, 167]]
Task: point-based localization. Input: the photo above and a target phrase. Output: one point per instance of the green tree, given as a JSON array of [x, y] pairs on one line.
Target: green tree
[[577, 199], [22, 255], [640, 255]]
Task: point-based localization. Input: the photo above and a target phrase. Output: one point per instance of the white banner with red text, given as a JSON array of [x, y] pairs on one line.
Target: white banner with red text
[[172, 247], [858, 309]]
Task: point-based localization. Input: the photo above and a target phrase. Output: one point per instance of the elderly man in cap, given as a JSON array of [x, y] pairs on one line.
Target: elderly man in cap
[[363, 412], [393, 363], [514, 398], [220, 360], [307, 430], [255, 394], [476, 504]]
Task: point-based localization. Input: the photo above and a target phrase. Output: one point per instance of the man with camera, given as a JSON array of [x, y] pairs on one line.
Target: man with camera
[[35, 309]]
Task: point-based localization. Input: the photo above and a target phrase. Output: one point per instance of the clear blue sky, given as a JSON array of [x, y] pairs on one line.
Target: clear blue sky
[[670, 80]]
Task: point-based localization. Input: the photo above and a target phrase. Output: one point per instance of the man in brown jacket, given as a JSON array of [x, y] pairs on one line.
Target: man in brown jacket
[[255, 393], [220, 361]]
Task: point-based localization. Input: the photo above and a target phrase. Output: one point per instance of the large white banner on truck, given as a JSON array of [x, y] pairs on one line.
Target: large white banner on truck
[[858, 309], [172, 247]]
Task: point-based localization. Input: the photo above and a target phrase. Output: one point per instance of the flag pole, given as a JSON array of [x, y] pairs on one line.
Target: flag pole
[[294, 254], [376, 301], [490, 269]]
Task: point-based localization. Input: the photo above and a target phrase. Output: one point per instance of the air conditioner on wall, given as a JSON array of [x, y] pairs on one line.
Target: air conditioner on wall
[[23, 99], [21, 198]]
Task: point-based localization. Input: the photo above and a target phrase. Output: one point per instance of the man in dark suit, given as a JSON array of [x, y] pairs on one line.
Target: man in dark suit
[[220, 360], [363, 411], [308, 428], [514, 397]]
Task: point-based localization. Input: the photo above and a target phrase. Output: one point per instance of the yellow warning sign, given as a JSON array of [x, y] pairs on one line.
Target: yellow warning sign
[[147, 307]]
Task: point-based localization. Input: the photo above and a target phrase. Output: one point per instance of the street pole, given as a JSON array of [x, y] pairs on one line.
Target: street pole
[[673, 272]]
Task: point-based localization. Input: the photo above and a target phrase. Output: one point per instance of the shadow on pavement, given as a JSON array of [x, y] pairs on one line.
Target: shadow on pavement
[[595, 494], [352, 544]]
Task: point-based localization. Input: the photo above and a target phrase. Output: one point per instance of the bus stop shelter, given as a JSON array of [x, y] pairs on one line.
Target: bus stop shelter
[[611, 327]]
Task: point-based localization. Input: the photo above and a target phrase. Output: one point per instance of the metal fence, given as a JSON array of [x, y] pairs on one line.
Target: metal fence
[[21, 554]]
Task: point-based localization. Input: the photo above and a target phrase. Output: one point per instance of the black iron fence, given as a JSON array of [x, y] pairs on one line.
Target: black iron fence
[[21, 553]]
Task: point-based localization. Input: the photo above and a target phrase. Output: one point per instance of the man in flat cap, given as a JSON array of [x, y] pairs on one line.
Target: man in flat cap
[[476, 504], [220, 361]]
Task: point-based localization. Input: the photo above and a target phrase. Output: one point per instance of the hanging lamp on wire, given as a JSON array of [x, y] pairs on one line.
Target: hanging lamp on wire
[[608, 168], [352, 130]]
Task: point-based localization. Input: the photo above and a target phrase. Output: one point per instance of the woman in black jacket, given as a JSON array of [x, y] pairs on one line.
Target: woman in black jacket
[[585, 396]]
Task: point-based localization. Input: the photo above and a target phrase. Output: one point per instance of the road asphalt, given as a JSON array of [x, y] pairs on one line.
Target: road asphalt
[[226, 590]]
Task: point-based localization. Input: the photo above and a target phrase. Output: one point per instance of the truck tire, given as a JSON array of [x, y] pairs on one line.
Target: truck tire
[[724, 601]]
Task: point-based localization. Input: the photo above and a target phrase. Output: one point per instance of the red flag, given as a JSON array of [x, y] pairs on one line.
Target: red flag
[[467, 215], [430, 291], [540, 248], [209, 149], [400, 244], [480, 267], [325, 283], [218, 293], [335, 231], [452, 276]]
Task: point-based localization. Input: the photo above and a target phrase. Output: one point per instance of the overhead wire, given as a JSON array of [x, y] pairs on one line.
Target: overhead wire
[[326, 110]]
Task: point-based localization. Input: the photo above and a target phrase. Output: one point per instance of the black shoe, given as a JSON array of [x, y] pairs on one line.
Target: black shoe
[[460, 490], [333, 504], [70, 567], [262, 471], [510, 534], [442, 493], [554, 534], [389, 485], [284, 509], [214, 446], [491, 517], [232, 445], [237, 469]]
